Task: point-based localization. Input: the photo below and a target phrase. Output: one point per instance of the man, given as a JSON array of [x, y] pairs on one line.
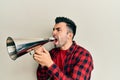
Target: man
[[67, 61]]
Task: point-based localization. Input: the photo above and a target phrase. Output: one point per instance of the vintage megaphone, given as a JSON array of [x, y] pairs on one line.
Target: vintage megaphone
[[16, 51]]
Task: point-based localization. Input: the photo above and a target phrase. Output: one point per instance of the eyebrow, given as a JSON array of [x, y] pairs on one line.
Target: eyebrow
[[56, 28]]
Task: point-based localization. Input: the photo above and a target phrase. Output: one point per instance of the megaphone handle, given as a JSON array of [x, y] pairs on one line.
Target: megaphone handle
[[31, 52]]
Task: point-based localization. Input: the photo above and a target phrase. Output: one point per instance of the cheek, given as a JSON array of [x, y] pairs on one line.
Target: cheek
[[64, 36]]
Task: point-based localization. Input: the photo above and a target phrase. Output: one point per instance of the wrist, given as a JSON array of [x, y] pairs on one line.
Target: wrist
[[49, 64]]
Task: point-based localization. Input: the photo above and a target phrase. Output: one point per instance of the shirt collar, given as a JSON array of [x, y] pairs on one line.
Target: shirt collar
[[71, 49]]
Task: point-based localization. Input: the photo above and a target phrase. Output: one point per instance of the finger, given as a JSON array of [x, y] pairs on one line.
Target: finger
[[39, 48], [45, 50], [36, 47], [29, 50], [36, 57], [38, 52]]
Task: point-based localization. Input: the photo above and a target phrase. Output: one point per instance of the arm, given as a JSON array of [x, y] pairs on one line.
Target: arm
[[42, 73], [80, 71], [43, 58], [81, 63]]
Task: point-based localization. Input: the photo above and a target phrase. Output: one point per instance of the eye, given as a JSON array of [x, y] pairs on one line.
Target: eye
[[58, 29]]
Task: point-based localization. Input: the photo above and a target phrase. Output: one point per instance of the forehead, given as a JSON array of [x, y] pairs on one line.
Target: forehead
[[61, 25]]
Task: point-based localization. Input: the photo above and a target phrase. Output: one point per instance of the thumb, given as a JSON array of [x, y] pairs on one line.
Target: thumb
[[45, 50]]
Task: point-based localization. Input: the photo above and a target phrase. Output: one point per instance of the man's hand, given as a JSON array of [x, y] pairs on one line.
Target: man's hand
[[42, 56]]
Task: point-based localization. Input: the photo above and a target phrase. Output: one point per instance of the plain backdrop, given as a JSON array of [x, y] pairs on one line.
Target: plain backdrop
[[98, 30]]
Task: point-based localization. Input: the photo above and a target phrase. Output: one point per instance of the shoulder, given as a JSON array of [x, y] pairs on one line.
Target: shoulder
[[82, 52], [83, 55]]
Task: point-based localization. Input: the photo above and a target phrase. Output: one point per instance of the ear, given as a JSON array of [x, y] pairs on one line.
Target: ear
[[70, 35]]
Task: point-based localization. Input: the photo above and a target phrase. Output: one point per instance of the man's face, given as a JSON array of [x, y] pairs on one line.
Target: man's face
[[60, 33]]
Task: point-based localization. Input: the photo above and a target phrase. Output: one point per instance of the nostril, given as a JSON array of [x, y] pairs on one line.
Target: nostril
[[53, 33]]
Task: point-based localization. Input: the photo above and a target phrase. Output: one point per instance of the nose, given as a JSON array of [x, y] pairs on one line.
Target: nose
[[54, 32]]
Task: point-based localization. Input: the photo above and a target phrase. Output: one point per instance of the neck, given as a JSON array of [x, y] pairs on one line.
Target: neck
[[67, 45]]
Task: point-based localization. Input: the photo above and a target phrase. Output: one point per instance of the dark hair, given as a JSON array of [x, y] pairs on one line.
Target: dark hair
[[69, 23]]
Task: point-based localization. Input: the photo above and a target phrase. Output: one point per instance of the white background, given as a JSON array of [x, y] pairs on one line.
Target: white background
[[98, 30]]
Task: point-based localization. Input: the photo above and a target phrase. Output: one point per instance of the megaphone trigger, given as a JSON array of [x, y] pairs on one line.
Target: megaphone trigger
[[31, 52]]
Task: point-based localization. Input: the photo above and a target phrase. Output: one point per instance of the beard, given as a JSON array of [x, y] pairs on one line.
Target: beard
[[60, 43]]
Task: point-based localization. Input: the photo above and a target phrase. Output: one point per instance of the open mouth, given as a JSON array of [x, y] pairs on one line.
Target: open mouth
[[56, 41]]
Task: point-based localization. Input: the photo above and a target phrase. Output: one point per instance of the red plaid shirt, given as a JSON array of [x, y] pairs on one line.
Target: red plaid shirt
[[78, 65]]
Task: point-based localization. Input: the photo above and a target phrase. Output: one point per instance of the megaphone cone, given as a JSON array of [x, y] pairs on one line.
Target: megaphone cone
[[16, 51]]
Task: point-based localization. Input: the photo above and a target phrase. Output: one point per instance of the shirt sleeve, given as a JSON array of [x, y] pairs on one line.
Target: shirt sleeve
[[42, 73], [81, 70]]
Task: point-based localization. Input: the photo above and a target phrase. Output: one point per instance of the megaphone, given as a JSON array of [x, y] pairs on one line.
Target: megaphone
[[18, 50]]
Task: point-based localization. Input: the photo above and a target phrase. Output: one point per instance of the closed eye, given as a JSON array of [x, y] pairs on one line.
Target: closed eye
[[58, 29]]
